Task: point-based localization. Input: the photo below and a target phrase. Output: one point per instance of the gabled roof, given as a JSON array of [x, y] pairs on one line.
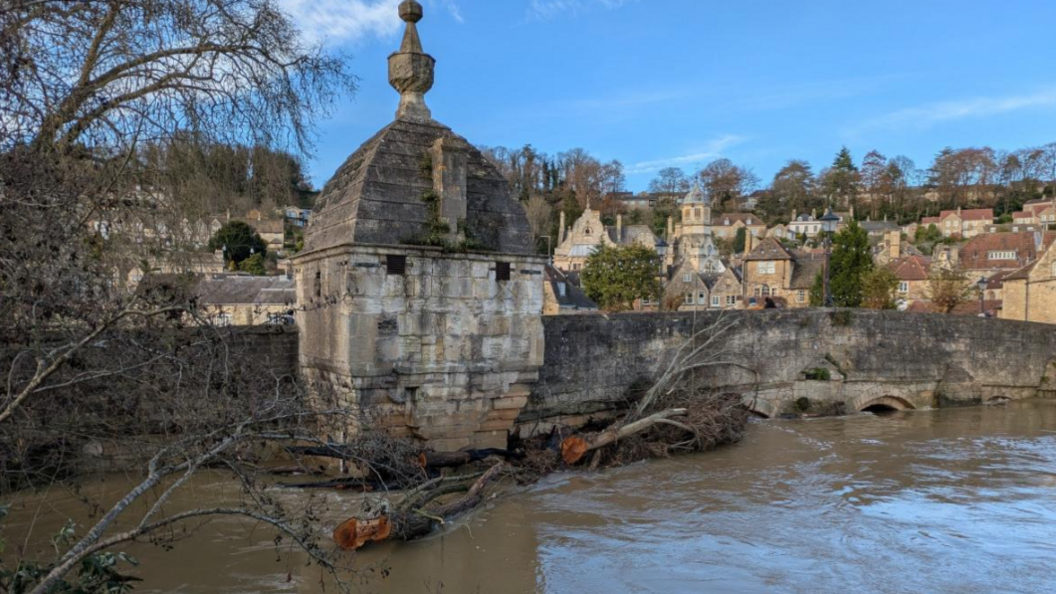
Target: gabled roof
[[911, 268], [769, 249], [974, 254], [1020, 274], [237, 289]]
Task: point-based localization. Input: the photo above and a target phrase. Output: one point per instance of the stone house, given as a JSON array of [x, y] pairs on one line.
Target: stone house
[[771, 270], [1036, 212], [989, 253], [692, 290], [1029, 293], [243, 300], [912, 273], [725, 226], [419, 285], [960, 223], [579, 241]]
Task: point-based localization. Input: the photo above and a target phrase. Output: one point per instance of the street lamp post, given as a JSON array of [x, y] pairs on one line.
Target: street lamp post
[[661, 251], [981, 283]]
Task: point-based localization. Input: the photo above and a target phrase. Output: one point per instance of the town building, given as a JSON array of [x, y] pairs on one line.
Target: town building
[[725, 226], [245, 300], [1036, 212], [692, 290], [989, 253], [771, 270], [419, 286], [912, 273], [561, 295], [960, 223], [1029, 293]]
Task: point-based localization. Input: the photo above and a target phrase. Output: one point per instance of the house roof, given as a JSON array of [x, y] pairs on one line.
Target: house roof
[[237, 289], [974, 254], [572, 297], [930, 221], [805, 271], [878, 226], [967, 308], [911, 268], [769, 249], [1021, 273], [733, 217], [971, 214], [997, 281]]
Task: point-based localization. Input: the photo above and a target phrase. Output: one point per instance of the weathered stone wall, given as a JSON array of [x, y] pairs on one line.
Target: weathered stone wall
[[908, 360], [442, 349]]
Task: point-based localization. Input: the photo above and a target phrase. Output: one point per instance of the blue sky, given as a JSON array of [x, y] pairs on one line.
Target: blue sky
[[655, 83]]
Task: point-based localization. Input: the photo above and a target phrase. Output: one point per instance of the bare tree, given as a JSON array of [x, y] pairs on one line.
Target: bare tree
[[84, 86], [539, 214], [948, 288]]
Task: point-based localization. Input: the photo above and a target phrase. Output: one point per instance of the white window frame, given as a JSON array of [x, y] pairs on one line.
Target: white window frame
[[716, 301], [766, 267], [903, 286]]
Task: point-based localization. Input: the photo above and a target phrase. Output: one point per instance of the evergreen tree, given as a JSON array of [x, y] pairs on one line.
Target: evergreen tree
[[851, 260], [739, 240], [817, 290], [614, 277], [841, 181], [238, 241]]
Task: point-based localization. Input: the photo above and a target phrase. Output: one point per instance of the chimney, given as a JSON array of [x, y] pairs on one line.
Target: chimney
[[749, 241], [894, 243], [958, 211], [794, 214], [561, 229], [814, 213], [619, 227]]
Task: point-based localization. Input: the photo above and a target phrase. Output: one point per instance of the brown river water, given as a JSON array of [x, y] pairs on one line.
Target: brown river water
[[952, 501]]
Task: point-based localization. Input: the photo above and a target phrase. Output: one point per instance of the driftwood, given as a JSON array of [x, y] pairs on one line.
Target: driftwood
[[411, 519], [573, 448], [460, 458]]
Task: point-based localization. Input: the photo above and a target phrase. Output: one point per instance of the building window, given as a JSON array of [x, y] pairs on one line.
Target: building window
[[903, 286], [318, 283], [222, 320], [731, 300], [687, 277], [766, 290], [689, 298], [766, 267], [701, 298], [1001, 255], [395, 264], [801, 296], [502, 271], [715, 301]]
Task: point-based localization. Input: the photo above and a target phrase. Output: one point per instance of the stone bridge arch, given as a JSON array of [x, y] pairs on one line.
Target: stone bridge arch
[[881, 404], [759, 407]]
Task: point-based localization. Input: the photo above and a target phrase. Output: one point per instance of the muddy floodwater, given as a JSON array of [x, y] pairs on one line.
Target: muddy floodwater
[[952, 501]]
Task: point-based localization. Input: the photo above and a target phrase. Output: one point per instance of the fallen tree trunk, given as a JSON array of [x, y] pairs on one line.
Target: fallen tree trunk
[[410, 519], [461, 458], [573, 448]]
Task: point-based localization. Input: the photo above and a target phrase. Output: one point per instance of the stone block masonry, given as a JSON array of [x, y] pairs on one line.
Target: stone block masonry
[[434, 345], [893, 359]]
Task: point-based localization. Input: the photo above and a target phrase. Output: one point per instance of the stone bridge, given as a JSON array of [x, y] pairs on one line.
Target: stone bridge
[[811, 361]]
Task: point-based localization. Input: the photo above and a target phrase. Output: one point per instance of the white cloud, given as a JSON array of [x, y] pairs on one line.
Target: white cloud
[[713, 149], [547, 9], [933, 113], [352, 21], [344, 21]]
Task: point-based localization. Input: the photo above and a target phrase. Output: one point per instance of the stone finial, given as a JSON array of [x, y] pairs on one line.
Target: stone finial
[[411, 69]]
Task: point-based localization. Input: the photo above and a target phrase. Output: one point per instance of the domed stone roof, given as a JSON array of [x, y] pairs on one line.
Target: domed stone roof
[[381, 194]]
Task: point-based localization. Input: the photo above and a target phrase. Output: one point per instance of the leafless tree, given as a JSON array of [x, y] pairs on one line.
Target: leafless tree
[[85, 85]]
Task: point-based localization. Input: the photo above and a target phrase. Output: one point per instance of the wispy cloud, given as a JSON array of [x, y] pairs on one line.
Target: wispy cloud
[[711, 150], [547, 9], [933, 113], [353, 21]]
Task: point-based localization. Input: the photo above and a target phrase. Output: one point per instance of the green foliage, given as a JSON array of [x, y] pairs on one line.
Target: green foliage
[[739, 240], [239, 241], [97, 574], [614, 277], [802, 404], [851, 260], [879, 288], [929, 234], [254, 264]]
